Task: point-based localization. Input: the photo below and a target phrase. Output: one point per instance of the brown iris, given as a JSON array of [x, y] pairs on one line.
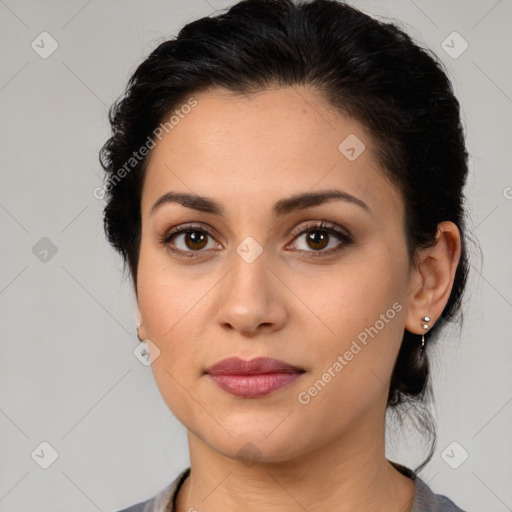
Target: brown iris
[[318, 238], [195, 239]]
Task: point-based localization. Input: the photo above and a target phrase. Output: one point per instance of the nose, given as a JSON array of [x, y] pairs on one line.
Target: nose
[[251, 299]]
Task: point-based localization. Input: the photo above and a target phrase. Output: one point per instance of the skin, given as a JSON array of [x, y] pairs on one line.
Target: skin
[[246, 153]]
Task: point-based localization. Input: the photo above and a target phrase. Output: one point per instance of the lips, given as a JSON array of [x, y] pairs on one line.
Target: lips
[[254, 378], [257, 366]]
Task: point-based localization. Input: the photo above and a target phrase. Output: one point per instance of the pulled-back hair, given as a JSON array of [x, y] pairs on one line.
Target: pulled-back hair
[[368, 69]]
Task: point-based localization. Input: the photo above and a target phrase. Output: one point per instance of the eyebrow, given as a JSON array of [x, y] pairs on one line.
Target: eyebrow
[[280, 208]]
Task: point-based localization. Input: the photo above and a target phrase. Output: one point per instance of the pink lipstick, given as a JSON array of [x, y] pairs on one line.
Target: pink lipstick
[[254, 378]]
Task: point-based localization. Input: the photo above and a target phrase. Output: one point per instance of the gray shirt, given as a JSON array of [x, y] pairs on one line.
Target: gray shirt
[[424, 499]]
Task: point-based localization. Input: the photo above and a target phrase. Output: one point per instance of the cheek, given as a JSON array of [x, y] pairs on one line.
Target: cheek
[[165, 295], [170, 307], [352, 295], [170, 317], [361, 301], [176, 311], [353, 366]]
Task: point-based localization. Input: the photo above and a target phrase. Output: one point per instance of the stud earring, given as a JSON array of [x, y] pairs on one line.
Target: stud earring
[[426, 327]]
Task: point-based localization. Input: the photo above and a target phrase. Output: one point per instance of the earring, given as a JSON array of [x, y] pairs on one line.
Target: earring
[[138, 335], [426, 327]]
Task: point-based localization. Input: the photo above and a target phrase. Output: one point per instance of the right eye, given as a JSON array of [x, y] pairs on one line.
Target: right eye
[[188, 239]]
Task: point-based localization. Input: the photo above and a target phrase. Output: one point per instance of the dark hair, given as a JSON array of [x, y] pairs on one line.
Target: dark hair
[[368, 69]]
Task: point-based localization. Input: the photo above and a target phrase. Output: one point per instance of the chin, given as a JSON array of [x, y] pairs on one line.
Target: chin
[[251, 446]]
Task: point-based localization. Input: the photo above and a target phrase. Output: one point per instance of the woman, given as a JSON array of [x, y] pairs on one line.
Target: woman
[[285, 183]]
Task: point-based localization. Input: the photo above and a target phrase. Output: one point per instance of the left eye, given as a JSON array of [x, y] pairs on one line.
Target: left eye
[[322, 239]]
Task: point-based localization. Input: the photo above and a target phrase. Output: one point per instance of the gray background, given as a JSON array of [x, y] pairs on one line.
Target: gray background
[[68, 374]]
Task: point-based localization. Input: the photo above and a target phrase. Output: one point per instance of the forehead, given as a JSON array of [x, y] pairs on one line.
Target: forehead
[[250, 147]]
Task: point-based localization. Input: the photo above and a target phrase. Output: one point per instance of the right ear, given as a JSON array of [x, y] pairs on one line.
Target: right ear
[[138, 317]]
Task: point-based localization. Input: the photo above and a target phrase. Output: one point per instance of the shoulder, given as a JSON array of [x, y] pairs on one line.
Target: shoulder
[[425, 500], [159, 502]]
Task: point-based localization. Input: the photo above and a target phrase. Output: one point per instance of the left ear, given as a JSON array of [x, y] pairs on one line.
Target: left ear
[[432, 279]]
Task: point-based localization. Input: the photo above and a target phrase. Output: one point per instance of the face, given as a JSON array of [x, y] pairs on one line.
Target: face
[[254, 274]]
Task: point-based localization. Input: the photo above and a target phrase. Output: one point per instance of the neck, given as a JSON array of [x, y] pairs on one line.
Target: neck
[[345, 475]]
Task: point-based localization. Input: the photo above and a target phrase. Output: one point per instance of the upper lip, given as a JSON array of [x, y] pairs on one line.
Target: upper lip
[[257, 366]]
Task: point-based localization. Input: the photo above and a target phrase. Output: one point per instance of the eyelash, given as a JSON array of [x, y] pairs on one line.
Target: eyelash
[[327, 227]]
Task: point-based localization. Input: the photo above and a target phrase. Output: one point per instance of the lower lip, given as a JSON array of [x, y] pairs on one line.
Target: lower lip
[[254, 386]]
